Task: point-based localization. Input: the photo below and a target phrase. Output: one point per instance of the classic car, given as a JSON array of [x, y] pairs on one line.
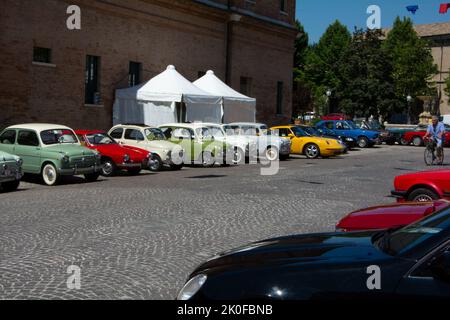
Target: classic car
[[326, 133], [151, 139], [364, 138], [10, 171], [389, 216], [416, 136], [115, 156], [385, 135], [422, 186], [51, 150], [310, 146], [199, 144], [269, 146], [399, 130], [409, 262]]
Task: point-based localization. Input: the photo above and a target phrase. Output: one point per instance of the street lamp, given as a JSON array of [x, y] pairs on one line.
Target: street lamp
[[409, 99], [329, 93]]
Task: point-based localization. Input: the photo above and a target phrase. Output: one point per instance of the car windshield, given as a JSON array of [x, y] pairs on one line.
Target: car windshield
[[216, 132], [299, 132], [154, 134], [311, 131], [351, 124], [204, 133], [100, 139], [375, 125], [56, 136], [401, 240]]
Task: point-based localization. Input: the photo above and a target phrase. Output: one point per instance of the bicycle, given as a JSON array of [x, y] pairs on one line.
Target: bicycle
[[430, 154]]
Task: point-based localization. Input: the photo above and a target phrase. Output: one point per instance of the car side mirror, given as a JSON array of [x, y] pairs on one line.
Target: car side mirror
[[291, 136], [440, 268]]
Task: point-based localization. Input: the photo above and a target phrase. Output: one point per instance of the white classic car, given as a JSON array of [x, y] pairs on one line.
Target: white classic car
[[151, 139], [269, 146]]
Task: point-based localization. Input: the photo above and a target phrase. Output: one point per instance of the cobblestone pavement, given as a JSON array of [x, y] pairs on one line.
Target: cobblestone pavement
[[140, 237]]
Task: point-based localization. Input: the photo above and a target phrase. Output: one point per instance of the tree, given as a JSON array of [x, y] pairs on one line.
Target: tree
[[320, 71], [412, 61], [365, 71], [447, 87]]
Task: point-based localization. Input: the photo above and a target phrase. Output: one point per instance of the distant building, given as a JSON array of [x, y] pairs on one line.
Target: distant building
[[438, 34], [52, 74]]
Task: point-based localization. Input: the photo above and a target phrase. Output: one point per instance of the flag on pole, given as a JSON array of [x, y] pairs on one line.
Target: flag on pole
[[412, 9], [444, 8]]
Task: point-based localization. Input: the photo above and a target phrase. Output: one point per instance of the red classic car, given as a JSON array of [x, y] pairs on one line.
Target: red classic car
[[422, 186], [416, 135], [114, 156], [389, 216]]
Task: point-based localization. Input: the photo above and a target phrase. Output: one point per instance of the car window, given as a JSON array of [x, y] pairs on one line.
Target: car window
[[341, 125], [133, 134], [167, 132], [100, 139], [56, 136], [182, 133], [329, 125], [299, 132], [8, 137], [204, 133], [154, 134], [28, 138], [117, 133], [425, 269]]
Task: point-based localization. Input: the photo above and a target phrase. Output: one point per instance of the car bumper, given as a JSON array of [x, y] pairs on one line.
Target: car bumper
[[131, 166], [76, 171], [398, 194], [332, 152]]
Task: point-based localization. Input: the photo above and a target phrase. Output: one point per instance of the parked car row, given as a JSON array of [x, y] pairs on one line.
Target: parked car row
[[407, 244]]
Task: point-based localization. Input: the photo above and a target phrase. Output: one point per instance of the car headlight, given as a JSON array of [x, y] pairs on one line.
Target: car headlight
[[126, 158], [66, 158], [349, 139], [19, 162], [192, 287]]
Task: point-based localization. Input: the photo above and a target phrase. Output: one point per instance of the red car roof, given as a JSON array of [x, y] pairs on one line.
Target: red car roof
[[84, 132]]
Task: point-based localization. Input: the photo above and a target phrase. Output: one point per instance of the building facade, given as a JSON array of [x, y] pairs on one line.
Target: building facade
[[438, 36], [53, 74]]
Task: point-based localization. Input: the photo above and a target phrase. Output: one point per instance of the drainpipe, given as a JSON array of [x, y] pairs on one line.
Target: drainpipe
[[233, 18]]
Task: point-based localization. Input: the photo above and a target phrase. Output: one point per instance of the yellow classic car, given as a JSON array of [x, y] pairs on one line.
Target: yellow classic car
[[310, 146]]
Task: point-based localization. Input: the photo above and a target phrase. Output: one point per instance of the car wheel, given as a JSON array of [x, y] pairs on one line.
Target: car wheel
[[272, 153], [417, 141], [176, 167], [238, 156], [92, 177], [312, 151], [403, 142], [363, 142], [10, 186], [156, 164], [207, 159], [50, 175], [423, 195], [108, 168]]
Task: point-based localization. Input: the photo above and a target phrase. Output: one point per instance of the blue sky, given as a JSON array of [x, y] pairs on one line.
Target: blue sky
[[316, 15]]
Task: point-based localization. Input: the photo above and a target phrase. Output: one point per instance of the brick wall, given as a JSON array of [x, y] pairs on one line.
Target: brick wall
[[189, 35]]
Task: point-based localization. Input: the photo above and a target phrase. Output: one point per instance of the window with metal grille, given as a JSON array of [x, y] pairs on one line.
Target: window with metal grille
[[134, 74], [42, 55], [92, 81]]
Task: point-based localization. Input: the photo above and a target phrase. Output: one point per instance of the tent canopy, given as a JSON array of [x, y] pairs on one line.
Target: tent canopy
[[237, 107], [154, 103]]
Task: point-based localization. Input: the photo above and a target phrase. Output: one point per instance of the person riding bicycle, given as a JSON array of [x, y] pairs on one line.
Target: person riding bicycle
[[436, 130]]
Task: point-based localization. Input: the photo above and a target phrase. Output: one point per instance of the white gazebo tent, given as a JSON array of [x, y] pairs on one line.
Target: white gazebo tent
[[236, 106], [166, 98]]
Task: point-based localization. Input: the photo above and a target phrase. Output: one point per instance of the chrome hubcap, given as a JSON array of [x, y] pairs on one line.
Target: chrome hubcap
[[49, 174], [362, 143], [271, 154], [423, 198], [107, 168], [312, 151], [155, 164], [207, 159]]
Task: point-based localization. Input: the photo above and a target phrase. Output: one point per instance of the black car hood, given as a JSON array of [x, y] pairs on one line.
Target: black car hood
[[317, 248]]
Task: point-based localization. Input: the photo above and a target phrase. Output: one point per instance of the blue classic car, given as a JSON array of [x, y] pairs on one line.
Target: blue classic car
[[364, 138]]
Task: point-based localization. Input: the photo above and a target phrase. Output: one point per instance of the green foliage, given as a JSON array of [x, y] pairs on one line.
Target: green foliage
[[412, 62], [366, 85], [447, 87]]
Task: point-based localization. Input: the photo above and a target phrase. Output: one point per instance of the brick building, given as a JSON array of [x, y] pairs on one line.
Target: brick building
[[438, 35], [52, 74]]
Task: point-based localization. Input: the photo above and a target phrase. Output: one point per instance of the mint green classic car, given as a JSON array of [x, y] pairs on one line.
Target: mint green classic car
[[10, 171], [199, 143], [51, 151]]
